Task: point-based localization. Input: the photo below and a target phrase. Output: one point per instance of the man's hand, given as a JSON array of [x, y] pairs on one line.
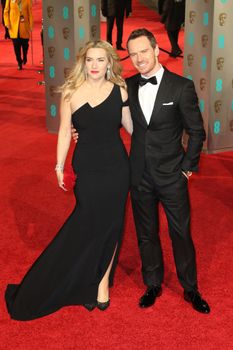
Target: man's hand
[[74, 134], [187, 174]]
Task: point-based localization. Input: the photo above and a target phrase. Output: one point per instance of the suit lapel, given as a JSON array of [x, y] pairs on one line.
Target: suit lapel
[[162, 94], [136, 102]]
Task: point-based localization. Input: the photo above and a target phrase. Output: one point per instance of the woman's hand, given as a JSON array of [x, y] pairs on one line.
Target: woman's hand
[[60, 179]]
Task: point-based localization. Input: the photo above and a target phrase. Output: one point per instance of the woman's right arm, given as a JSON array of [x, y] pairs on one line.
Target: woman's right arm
[[63, 142]]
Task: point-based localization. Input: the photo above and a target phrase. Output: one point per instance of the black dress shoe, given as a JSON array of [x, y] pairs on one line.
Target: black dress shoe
[[197, 302], [148, 299], [25, 60], [103, 306], [20, 66], [119, 47], [175, 53], [90, 306]]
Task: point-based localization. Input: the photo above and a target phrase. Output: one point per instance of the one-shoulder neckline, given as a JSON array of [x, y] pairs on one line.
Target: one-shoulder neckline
[[99, 104]]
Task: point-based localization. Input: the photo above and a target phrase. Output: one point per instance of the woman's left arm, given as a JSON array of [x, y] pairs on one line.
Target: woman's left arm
[[64, 137], [126, 119]]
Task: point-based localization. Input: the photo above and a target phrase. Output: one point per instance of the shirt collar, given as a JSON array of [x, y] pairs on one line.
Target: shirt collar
[[158, 74]]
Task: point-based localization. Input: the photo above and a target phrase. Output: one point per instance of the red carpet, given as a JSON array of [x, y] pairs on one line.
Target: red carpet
[[33, 208]]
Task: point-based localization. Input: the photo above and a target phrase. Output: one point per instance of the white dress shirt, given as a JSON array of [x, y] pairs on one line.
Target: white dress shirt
[[147, 94]]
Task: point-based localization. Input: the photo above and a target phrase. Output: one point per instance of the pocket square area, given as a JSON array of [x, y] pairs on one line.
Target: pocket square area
[[168, 104]]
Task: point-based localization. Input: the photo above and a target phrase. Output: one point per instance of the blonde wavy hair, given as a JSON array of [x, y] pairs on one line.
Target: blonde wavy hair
[[77, 75]]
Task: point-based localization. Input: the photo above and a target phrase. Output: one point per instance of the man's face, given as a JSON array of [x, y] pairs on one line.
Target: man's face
[[143, 56]]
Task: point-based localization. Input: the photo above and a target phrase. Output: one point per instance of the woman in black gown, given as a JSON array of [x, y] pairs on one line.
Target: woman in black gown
[[78, 265]]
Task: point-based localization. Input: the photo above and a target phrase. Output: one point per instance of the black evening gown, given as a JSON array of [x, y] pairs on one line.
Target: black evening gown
[[70, 269]]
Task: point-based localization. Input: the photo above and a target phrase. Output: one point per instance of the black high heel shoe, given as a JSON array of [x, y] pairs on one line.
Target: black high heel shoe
[[90, 306], [103, 306]]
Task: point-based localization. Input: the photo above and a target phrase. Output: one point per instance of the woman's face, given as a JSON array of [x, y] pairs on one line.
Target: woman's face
[[96, 63]]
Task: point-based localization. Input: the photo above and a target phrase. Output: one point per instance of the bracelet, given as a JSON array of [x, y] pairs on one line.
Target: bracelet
[[59, 167]]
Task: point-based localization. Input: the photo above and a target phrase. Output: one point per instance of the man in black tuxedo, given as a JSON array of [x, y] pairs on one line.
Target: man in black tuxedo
[[116, 10], [163, 105]]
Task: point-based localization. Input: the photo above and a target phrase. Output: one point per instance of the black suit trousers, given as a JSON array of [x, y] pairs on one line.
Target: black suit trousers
[[20, 45], [119, 23], [175, 201]]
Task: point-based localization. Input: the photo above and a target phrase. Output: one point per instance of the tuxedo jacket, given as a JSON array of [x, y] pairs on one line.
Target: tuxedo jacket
[[158, 146]]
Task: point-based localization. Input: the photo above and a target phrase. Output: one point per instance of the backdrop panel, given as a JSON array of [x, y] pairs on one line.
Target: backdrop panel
[[67, 26], [208, 61]]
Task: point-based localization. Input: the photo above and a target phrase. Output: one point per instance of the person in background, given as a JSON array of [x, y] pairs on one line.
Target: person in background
[[6, 36], [19, 21], [172, 15], [115, 10]]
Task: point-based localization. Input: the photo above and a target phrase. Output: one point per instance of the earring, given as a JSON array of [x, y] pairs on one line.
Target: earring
[[108, 73]]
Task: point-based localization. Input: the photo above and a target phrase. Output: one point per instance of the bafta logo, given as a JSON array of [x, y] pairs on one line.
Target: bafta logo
[[204, 40], [66, 72], [93, 30], [190, 59], [66, 33], [50, 11], [51, 51], [52, 90], [80, 11], [222, 19], [217, 106], [220, 63], [202, 84], [192, 16], [231, 125]]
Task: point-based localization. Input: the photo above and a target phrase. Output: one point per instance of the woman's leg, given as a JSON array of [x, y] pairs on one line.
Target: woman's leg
[[103, 290]]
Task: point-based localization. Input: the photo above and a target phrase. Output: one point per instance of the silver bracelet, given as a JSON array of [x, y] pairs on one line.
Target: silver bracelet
[[59, 167]]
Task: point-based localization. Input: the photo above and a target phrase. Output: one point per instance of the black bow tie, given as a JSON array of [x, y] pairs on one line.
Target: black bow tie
[[144, 81]]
